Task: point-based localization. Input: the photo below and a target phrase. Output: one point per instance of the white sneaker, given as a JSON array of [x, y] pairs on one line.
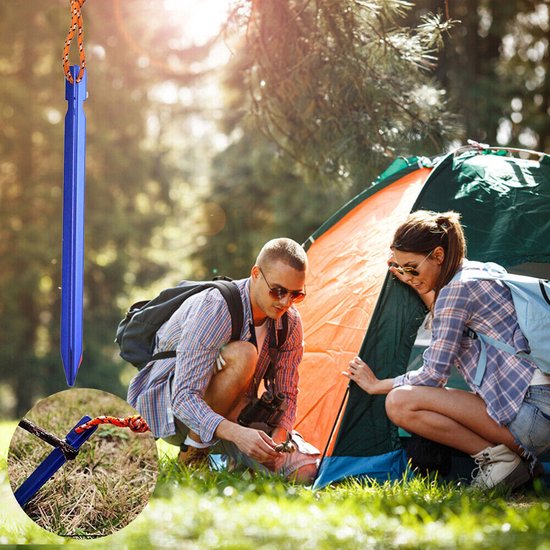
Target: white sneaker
[[499, 465]]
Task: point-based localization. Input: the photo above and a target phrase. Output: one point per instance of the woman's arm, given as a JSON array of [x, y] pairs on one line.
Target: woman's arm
[[451, 312], [362, 375]]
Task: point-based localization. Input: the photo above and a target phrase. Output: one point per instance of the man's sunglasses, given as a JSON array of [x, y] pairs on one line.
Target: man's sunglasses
[[409, 270], [280, 292]]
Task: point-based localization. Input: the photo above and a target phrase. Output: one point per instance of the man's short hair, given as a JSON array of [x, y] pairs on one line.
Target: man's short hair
[[284, 250]]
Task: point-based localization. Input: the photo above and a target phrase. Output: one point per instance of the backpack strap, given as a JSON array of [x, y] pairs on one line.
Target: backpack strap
[[543, 291], [486, 340], [232, 296], [282, 332], [276, 341], [487, 271]]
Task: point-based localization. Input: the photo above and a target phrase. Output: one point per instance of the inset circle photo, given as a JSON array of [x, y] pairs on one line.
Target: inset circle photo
[[82, 463]]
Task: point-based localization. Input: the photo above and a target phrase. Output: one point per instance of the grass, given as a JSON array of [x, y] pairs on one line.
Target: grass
[[109, 482], [219, 510]]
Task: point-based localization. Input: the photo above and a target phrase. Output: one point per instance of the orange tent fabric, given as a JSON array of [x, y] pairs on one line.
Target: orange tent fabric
[[347, 266]]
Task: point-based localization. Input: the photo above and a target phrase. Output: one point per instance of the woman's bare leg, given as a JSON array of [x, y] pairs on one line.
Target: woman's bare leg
[[449, 416]]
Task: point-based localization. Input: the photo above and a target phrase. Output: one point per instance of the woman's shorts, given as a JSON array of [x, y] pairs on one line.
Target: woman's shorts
[[531, 426]]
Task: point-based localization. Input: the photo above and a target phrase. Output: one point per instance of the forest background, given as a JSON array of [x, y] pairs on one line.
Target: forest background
[[215, 126]]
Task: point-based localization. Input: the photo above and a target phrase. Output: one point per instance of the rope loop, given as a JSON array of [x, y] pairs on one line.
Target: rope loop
[[135, 423], [76, 23]]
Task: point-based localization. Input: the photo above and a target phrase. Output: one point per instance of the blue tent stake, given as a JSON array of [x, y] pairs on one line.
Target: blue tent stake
[[72, 273], [51, 464]]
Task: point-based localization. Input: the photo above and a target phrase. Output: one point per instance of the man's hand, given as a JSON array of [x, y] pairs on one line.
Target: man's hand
[[257, 445], [283, 440], [254, 443]]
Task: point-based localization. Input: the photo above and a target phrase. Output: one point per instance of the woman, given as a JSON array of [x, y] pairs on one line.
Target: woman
[[504, 423]]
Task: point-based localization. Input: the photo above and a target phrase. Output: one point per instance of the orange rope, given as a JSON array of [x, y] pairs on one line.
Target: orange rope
[[76, 23], [136, 423]]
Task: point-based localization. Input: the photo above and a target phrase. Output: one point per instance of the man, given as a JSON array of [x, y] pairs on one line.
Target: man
[[195, 399]]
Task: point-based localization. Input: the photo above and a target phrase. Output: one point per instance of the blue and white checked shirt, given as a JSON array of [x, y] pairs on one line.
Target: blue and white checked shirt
[[487, 307], [175, 387]]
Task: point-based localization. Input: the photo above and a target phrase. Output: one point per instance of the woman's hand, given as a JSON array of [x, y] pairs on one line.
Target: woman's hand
[[362, 375]]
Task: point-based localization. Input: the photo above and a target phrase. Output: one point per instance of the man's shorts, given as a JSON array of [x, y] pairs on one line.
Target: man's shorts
[[181, 433]]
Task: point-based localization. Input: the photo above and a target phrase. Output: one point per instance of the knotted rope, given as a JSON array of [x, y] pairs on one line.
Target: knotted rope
[[76, 23], [135, 423]]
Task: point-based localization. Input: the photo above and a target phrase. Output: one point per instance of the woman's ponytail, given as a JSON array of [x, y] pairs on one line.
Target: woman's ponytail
[[423, 231]]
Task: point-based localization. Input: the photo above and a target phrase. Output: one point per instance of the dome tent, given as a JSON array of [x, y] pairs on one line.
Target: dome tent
[[355, 306]]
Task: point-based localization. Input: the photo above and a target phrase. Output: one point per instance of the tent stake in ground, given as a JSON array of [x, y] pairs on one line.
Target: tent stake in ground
[[54, 460], [68, 448]]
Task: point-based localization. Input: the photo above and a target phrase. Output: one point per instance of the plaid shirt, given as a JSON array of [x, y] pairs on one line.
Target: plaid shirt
[[171, 387], [487, 307]]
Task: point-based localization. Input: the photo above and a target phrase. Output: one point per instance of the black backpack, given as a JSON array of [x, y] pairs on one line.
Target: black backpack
[[136, 333]]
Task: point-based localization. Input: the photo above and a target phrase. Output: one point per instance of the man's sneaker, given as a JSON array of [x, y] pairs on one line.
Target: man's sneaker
[[499, 465], [193, 457]]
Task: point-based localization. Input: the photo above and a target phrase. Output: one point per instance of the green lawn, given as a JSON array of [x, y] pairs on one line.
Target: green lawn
[[239, 511]]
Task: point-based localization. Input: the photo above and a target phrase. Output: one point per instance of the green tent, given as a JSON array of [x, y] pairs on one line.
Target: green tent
[[505, 205]]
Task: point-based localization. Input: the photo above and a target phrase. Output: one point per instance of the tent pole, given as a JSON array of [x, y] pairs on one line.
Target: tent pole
[[336, 421]]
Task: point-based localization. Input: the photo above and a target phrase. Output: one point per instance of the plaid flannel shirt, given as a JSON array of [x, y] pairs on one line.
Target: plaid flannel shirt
[[487, 307], [175, 387]]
